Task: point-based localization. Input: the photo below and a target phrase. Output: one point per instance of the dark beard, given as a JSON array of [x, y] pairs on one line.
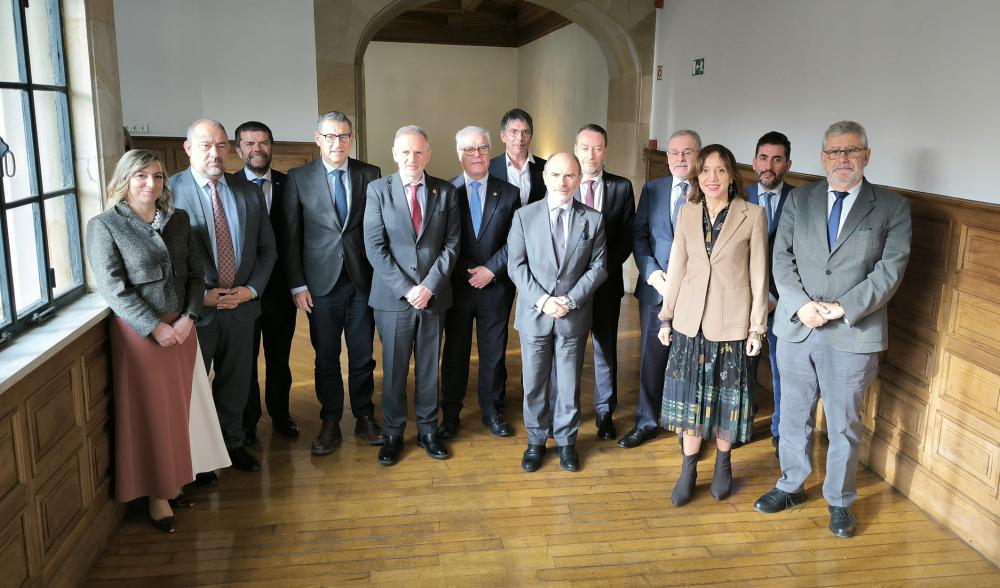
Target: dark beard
[[260, 171], [777, 181]]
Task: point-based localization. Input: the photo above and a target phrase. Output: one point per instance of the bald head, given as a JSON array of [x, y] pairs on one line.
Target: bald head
[[207, 147], [562, 176]]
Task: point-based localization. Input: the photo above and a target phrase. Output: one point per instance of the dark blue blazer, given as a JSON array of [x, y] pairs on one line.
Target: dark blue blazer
[[619, 215], [498, 169], [751, 192], [500, 200], [652, 236]]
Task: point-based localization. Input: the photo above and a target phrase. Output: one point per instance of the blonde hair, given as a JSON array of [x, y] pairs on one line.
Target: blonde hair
[[129, 165]]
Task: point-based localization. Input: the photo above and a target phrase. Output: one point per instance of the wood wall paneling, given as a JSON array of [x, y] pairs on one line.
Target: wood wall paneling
[[14, 554], [932, 417], [51, 416], [285, 155]]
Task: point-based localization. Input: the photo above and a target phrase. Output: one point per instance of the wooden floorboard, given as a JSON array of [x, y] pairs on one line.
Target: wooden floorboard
[[478, 520]]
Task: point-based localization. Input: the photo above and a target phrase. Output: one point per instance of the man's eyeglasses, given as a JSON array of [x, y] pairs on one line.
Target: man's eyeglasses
[[482, 149], [517, 132], [687, 153], [850, 152], [344, 137]]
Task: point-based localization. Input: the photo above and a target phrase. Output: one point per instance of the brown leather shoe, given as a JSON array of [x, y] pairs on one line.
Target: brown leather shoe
[[329, 438], [367, 429]]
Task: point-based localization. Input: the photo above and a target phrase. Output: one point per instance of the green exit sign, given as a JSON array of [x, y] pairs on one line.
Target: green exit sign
[[698, 67]]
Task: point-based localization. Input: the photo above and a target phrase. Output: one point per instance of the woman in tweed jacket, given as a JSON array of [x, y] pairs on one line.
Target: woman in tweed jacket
[[147, 266]]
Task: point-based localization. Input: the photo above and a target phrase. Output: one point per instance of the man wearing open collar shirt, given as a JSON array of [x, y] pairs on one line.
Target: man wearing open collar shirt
[[517, 164]]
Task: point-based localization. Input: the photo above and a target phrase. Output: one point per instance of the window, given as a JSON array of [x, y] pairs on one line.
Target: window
[[40, 222]]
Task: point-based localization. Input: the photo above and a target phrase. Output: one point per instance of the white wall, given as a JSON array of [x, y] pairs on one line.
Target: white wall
[[921, 76], [232, 60], [440, 88], [562, 80]]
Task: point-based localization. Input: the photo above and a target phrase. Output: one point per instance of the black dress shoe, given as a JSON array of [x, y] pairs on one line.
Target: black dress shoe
[[249, 436], [286, 427], [432, 445], [636, 437], [497, 426], [366, 428], [243, 460], [448, 429], [166, 524], [389, 453], [329, 438], [841, 521], [568, 458], [778, 500], [206, 479], [605, 426], [181, 501], [532, 459]]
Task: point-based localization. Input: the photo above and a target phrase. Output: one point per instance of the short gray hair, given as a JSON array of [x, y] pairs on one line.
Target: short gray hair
[[845, 127], [411, 130], [335, 116], [471, 131], [201, 121], [686, 132]]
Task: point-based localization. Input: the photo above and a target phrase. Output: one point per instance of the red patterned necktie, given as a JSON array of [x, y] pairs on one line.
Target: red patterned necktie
[[226, 257], [415, 213], [589, 200]]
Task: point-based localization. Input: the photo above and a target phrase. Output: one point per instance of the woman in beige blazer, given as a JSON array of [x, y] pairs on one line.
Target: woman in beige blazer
[[715, 317]]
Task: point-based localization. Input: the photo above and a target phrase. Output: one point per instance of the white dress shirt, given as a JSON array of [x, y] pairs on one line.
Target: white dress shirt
[[598, 191], [520, 177], [267, 187]]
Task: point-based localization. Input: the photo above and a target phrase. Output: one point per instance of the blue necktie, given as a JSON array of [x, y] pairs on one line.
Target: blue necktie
[[340, 196], [259, 182], [833, 225], [765, 201], [476, 208], [680, 191]]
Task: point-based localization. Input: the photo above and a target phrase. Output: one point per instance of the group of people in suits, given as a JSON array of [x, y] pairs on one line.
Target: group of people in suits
[[422, 259]]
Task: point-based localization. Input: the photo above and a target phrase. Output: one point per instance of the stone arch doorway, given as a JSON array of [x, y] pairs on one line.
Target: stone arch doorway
[[624, 33]]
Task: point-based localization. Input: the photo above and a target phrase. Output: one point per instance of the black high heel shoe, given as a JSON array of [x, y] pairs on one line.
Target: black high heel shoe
[[166, 524]]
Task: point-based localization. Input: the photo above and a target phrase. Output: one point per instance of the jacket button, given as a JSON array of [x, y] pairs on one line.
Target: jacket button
[[829, 273], [413, 268], [340, 254]]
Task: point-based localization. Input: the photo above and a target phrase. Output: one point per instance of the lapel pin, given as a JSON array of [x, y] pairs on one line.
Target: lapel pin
[[434, 191]]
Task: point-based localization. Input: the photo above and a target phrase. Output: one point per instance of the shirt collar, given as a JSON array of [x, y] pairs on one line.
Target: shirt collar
[[252, 176], [549, 202], [677, 181], [531, 159], [850, 193], [482, 181], [599, 178], [202, 181], [330, 168], [777, 189], [420, 182]]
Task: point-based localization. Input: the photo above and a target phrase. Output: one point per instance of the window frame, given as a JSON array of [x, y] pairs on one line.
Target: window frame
[[13, 322]]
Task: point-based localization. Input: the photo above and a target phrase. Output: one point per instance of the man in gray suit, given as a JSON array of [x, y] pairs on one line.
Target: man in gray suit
[[230, 219], [839, 256], [557, 259], [412, 230], [330, 277]]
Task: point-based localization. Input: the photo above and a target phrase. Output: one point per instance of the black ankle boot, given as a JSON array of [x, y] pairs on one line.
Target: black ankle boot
[[684, 488], [722, 481]]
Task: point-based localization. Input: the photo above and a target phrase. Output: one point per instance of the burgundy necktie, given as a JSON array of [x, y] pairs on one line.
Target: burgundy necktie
[[223, 239], [415, 213], [589, 199]]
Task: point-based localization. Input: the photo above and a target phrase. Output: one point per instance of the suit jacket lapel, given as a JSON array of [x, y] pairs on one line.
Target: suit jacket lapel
[[399, 201], [490, 200], [197, 212], [863, 205], [817, 213], [430, 197], [577, 227], [241, 214], [320, 188], [734, 218], [354, 208]]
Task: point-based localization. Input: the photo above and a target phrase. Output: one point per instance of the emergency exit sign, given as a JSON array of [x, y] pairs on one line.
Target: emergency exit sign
[[698, 67]]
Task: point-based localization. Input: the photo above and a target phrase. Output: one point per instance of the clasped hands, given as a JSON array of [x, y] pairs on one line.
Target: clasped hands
[[173, 334], [665, 337], [556, 306], [419, 297], [227, 298], [816, 314]]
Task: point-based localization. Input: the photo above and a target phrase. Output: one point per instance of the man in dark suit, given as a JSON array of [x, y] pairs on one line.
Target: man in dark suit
[[652, 236], [517, 164], [412, 230], [330, 277], [614, 198], [839, 256], [557, 261], [482, 290], [771, 161], [276, 324], [229, 217]]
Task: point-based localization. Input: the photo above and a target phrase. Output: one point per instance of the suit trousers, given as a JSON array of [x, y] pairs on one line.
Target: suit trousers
[[652, 368], [227, 348], [541, 356], [491, 340], [772, 354], [605, 339], [343, 311], [814, 367], [405, 333], [276, 325]]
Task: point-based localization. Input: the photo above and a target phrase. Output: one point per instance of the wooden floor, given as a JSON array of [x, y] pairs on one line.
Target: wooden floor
[[478, 520]]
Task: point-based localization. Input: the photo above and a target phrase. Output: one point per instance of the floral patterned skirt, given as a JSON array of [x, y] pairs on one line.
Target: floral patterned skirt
[[707, 389]]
